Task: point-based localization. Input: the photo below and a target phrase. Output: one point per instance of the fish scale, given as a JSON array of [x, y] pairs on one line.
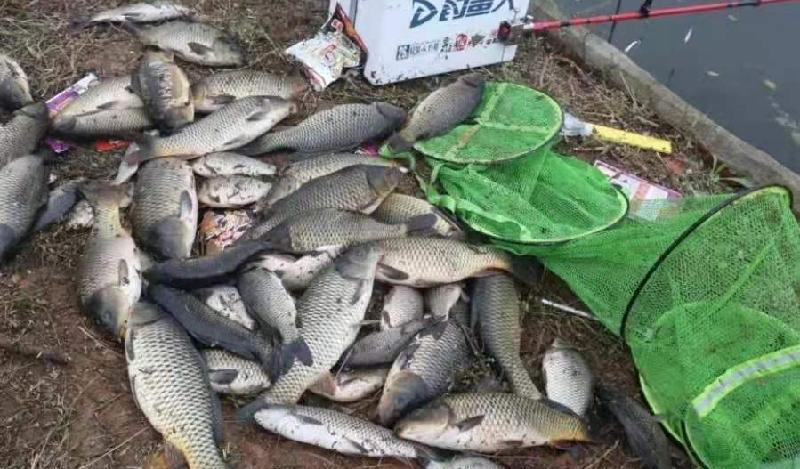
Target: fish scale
[[495, 303], [488, 422], [22, 133], [568, 379], [298, 173], [231, 374], [339, 128], [330, 310], [194, 42], [432, 358], [162, 186], [171, 388], [331, 429]]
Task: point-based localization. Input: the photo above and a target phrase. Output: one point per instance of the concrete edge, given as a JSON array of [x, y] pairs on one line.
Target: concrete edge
[[620, 70]]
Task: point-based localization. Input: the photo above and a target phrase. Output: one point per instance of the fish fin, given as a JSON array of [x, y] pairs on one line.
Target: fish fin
[[391, 273], [223, 376], [527, 270], [132, 16], [246, 413], [216, 419], [283, 357], [257, 116], [123, 273], [559, 407], [112, 105], [236, 142], [129, 355], [145, 151], [221, 99], [436, 330], [358, 446], [186, 206], [422, 225], [398, 143], [309, 420], [173, 457], [200, 49], [368, 322], [468, 423], [509, 444]]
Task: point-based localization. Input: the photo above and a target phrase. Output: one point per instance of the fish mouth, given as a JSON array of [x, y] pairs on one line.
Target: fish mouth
[[111, 308]]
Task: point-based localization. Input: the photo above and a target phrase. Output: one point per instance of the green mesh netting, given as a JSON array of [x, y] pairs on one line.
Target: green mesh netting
[[715, 333], [498, 174]]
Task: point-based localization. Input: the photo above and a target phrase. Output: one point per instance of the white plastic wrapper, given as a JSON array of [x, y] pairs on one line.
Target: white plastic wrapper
[[326, 55]]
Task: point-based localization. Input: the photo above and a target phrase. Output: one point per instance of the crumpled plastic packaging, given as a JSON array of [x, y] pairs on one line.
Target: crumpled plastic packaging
[[219, 230]]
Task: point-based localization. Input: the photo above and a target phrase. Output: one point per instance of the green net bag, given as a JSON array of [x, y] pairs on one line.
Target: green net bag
[[714, 328], [498, 174]]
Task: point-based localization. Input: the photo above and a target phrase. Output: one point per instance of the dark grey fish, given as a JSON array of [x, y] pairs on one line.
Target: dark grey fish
[[59, 203], [382, 347], [165, 90], [341, 128], [206, 270], [208, 327], [440, 111], [645, 435]]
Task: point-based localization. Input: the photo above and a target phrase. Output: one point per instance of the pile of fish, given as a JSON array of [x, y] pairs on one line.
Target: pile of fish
[[285, 309]]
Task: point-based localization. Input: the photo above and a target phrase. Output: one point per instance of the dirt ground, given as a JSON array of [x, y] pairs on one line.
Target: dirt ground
[[81, 415]]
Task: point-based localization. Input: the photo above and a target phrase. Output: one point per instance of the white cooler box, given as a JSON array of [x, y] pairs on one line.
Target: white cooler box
[[414, 38]]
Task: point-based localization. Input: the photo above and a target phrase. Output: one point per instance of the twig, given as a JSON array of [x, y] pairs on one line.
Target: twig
[[127, 440], [568, 309], [35, 352]]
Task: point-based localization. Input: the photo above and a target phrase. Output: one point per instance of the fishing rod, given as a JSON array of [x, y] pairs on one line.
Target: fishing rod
[[645, 13]]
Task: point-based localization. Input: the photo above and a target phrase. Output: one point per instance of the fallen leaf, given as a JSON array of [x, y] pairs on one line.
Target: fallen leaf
[[712, 74], [770, 84]]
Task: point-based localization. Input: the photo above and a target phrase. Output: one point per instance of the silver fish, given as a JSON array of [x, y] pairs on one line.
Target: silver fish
[[645, 435], [165, 209], [331, 227], [300, 172], [164, 88], [227, 302], [495, 304], [171, 388], [59, 202], [356, 188], [208, 327], [122, 123], [428, 262], [341, 128], [273, 307], [440, 111], [231, 191], [349, 385], [334, 430], [399, 208], [296, 273], [439, 301], [14, 90], [109, 275], [424, 370], [490, 422], [568, 379], [231, 127], [231, 164], [193, 42], [463, 462], [341, 292], [401, 305], [22, 133], [219, 89], [382, 347], [231, 374], [108, 94], [23, 191], [142, 13]]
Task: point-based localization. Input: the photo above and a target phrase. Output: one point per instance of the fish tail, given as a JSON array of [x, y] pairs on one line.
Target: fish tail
[[146, 144], [104, 193], [422, 225], [283, 357], [247, 413], [397, 143], [526, 269]]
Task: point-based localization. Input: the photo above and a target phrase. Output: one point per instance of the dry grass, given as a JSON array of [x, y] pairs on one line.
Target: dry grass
[[82, 415]]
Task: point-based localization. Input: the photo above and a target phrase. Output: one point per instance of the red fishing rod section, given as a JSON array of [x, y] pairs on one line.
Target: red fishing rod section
[[646, 13]]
